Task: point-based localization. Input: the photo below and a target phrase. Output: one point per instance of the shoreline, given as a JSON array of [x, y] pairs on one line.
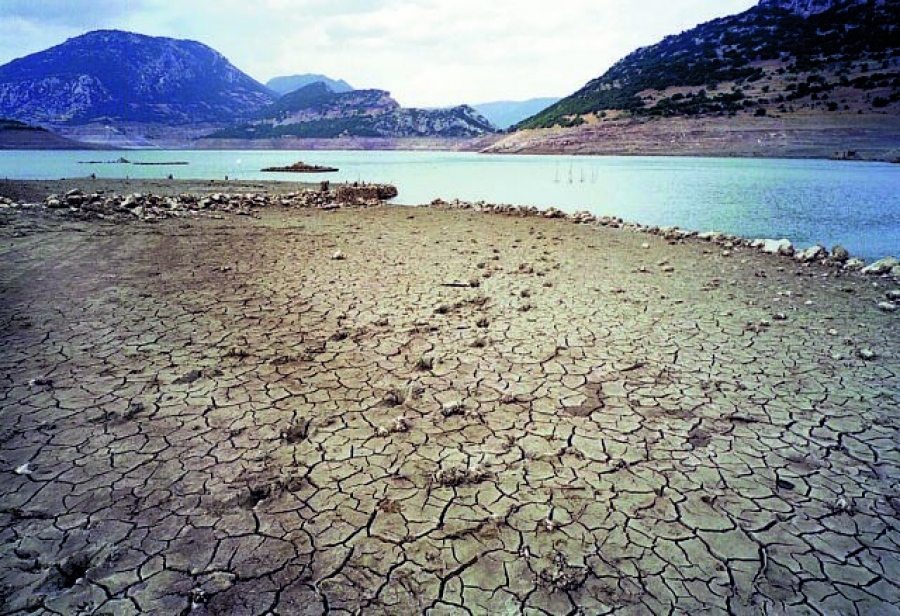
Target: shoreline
[[860, 138], [35, 191], [870, 137], [891, 158]]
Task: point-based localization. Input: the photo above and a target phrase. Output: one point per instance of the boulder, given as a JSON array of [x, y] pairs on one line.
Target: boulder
[[775, 247], [554, 213], [887, 307], [883, 266], [813, 253], [711, 236], [854, 265], [840, 254]]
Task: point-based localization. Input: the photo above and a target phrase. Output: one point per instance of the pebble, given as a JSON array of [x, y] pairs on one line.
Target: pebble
[[866, 354], [338, 256]]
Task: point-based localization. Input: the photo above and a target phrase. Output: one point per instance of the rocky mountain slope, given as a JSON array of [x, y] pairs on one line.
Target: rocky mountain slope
[[18, 136], [118, 77], [317, 112], [780, 58], [291, 83]]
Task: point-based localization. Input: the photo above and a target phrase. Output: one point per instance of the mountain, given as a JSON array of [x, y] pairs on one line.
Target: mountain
[[115, 77], [287, 84], [504, 114], [316, 112], [781, 58]]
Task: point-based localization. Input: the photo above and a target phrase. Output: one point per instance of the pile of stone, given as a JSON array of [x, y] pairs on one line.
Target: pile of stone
[[837, 257], [152, 208], [365, 194], [148, 208]]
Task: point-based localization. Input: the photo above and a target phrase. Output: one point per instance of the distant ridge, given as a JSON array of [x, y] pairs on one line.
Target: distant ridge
[[315, 112], [507, 113]]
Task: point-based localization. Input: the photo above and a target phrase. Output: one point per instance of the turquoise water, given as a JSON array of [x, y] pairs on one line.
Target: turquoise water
[[807, 201]]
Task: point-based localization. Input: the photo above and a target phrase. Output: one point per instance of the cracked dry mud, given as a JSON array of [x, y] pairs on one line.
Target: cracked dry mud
[[464, 414]]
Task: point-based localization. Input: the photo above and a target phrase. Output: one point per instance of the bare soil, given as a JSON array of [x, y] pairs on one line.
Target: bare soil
[[397, 410]]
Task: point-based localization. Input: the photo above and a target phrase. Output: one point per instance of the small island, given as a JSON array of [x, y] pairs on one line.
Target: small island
[[301, 167]]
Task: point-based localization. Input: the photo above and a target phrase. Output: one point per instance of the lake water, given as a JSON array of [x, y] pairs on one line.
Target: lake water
[[856, 205]]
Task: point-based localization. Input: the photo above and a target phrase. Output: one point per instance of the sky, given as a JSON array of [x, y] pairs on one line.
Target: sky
[[427, 53]]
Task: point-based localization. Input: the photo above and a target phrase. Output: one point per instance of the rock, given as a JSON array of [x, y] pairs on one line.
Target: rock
[[813, 253], [776, 247], [188, 378], [338, 256], [711, 236], [450, 409], [854, 265], [881, 267], [893, 295], [840, 254], [887, 307], [55, 204], [866, 354]]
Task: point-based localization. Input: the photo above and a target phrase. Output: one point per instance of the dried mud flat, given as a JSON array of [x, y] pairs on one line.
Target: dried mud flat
[[397, 410]]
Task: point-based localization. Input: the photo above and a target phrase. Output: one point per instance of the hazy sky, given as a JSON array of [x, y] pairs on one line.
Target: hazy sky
[[426, 52]]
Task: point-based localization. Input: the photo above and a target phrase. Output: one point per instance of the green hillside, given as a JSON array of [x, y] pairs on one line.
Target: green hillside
[[766, 59]]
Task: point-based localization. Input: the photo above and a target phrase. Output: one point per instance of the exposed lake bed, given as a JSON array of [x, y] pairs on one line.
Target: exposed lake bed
[[396, 409]]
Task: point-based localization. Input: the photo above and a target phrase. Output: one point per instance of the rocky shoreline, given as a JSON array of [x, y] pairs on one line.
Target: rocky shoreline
[[838, 257], [77, 204], [180, 197]]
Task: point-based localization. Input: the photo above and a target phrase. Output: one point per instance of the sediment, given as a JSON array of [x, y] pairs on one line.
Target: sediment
[[443, 410]]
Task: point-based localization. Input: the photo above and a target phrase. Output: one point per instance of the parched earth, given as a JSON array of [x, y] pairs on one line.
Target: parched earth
[[399, 411]]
